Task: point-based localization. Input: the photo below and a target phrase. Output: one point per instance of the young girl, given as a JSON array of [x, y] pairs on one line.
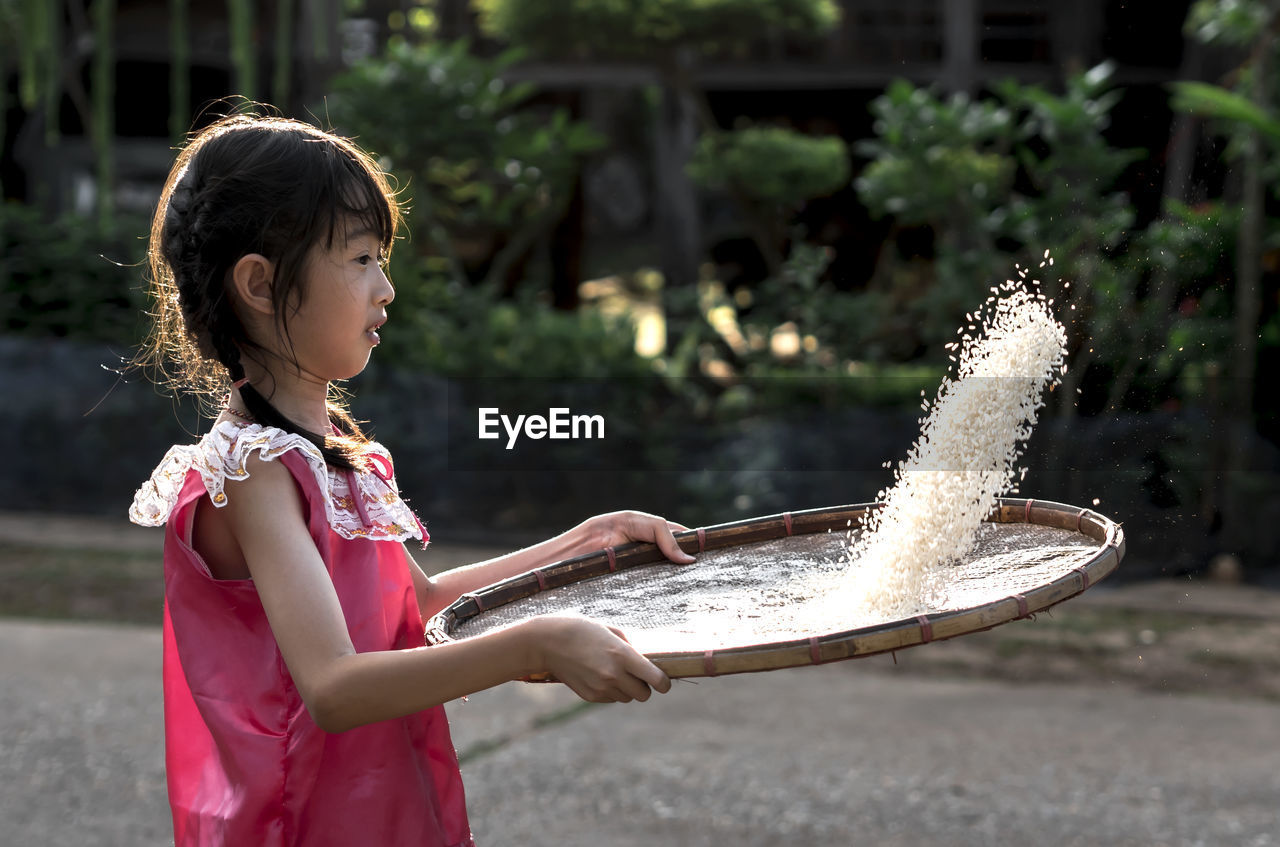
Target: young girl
[[301, 704]]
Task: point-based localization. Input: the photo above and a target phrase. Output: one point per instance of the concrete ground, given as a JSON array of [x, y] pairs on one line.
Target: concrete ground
[[861, 752]]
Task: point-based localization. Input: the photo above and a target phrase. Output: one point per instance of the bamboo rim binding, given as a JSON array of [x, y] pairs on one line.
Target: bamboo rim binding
[[819, 647]]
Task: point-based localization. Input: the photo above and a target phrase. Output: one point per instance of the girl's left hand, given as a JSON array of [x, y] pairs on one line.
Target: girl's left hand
[[616, 528]]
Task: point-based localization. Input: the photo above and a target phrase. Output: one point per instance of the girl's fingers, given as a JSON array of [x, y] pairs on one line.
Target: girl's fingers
[[620, 527], [660, 531], [666, 542], [644, 679], [631, 688], [653, 677], [626, 688], [639, 677], [643, 671]]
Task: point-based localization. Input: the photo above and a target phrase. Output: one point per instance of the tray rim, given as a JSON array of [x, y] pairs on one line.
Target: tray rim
[[825, 648]]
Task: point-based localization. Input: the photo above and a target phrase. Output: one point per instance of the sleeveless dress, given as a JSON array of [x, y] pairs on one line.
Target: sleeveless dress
[[245, 763]]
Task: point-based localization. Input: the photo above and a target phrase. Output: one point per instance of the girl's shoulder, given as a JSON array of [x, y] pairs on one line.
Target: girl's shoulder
[[357, 505]]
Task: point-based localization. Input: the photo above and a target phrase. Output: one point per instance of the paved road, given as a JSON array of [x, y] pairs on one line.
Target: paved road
[[854, 753]]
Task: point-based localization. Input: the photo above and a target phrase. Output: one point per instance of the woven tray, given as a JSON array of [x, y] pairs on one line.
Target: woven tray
[[691, 620]]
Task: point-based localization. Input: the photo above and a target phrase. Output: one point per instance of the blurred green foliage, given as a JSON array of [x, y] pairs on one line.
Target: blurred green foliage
[[485, 172], [486, 168], [1224, 105], [935, 160], [1004, 179], [481, 169], [1073, 208], [945, 164], [771, 172], [449, 328], [1193, 247], [645, 29], [791, 340], [1232, 106], [771, 165], [67, 277], [1245, 109], [1230, 22]]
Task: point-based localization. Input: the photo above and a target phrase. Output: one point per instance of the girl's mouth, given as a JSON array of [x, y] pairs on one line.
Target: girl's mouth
[[372, 333]]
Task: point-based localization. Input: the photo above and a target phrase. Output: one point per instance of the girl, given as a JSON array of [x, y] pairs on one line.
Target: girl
[[301, 705]]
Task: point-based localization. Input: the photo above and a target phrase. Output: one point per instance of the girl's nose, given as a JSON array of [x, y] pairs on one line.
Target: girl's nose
[[386, 291]]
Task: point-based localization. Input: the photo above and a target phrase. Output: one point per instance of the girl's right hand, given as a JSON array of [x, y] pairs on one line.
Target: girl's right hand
[[596, 661]]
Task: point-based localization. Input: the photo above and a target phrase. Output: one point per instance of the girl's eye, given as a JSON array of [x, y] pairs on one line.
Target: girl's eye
[[366, 259]]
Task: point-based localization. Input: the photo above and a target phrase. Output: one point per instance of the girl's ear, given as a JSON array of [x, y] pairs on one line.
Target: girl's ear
[[251, 279]]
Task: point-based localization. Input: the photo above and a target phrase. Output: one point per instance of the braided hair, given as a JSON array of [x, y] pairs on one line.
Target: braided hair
[[250, 184]]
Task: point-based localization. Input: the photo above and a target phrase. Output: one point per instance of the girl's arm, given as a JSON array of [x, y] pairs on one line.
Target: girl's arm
[[343, 689], [436, 593]]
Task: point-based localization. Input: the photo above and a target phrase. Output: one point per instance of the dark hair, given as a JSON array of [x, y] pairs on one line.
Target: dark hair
[[251, 184]]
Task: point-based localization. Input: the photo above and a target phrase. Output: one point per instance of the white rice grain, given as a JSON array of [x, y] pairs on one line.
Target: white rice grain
[[965, 458]]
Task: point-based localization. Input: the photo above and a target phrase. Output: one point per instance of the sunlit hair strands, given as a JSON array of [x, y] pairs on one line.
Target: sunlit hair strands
[[251, 184]]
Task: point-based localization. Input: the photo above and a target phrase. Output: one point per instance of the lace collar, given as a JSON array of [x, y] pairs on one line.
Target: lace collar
[[357, 505]]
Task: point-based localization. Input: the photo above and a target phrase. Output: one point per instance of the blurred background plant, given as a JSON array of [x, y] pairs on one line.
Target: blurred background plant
[[941, 168], [996, 181], [485, 174], [1246, 107], [490, 165], [67, 278], [452, 328], [770, 172], [734, 208]]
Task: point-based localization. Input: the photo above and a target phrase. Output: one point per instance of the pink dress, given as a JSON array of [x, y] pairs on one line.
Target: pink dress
[[245, 763]]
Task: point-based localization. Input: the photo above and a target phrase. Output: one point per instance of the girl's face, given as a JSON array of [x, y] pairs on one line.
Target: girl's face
[[334, 325]]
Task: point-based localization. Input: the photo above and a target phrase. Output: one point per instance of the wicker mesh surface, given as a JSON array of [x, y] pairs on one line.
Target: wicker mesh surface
[[786, 588]]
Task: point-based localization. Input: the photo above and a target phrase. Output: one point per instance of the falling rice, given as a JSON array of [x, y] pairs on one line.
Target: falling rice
[[965, 458]]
